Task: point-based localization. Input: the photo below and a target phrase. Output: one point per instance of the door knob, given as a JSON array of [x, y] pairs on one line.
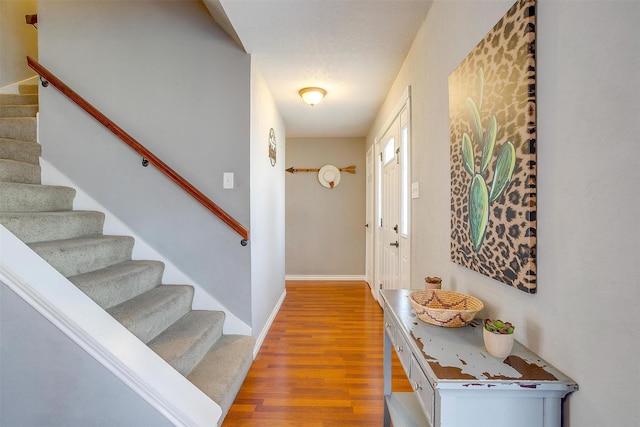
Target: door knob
[[396, 244]]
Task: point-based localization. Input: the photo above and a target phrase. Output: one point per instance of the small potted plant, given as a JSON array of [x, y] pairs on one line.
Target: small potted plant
[[498, 337], [432, 282]]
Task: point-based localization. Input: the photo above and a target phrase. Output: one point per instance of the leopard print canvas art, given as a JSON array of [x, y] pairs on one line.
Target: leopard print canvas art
[[492, 108]]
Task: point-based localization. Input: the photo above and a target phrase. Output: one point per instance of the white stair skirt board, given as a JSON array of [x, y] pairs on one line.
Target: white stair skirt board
[[100, 335], [337, 278], [141, 250], [14, 87]]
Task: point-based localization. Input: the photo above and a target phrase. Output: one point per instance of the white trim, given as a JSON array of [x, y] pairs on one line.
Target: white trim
[[100, 335], [370, 213], [405, 250], [406, 94], [141, 250], [336, 278], [263, 334]]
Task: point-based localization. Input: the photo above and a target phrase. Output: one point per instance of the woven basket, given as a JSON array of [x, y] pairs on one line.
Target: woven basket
[[445, 308]]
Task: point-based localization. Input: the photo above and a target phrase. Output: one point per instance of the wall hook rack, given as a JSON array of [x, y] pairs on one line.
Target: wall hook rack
[[348, 169], [328, 175]]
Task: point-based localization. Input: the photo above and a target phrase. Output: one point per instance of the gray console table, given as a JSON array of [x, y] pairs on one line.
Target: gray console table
[[457, 383]]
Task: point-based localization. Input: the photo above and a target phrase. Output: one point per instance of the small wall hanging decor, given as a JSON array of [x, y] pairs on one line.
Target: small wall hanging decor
[[272, 146], [492, 109]]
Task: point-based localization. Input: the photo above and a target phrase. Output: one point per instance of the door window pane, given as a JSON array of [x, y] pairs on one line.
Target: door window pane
[[389, 151], [404, 182]]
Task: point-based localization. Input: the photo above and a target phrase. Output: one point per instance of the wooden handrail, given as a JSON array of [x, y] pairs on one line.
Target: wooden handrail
[[143, 151]]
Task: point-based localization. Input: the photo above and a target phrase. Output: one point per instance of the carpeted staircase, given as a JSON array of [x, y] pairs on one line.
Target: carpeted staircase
[[160, 315]]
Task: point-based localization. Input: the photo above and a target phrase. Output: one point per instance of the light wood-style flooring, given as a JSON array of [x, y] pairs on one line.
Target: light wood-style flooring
[[321, 362]]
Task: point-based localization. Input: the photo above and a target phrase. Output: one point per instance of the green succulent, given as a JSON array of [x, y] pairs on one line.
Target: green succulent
[[478, 210], [482, 193], [498, 326]]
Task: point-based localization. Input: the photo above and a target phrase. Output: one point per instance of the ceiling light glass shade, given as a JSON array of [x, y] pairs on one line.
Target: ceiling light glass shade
[[312, 95]]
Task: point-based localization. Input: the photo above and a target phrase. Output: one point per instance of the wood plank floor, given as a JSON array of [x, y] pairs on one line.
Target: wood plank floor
[[321, 362]]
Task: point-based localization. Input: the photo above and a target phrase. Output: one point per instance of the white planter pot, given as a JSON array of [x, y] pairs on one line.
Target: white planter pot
[[498, 345]]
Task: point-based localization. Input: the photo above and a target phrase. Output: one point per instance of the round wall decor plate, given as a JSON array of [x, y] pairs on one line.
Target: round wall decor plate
[[329, 176]]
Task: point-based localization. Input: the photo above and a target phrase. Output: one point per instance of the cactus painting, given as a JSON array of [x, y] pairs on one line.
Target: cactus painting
[[482, 194], [493, 159]]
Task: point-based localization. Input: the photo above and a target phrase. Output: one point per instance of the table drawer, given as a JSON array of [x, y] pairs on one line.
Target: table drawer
[[403, 351], [398, 341], [423, 389], [390, 328]]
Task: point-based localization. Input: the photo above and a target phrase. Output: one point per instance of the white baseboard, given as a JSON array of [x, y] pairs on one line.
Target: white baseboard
[[334, 278], [265, 330]]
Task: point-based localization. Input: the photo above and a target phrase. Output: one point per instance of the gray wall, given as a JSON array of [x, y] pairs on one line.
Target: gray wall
[[47, 380], [17, 40], [325, 227], [582, 320], [166, 74]]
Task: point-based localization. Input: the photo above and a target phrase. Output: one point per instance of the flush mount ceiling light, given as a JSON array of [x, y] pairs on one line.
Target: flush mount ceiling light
[[312, 95]]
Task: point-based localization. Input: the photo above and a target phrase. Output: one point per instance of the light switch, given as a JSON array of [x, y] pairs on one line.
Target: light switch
[[415, 191], [227, 180]]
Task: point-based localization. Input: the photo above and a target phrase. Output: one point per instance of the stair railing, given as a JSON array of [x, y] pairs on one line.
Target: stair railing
[[47, 77]]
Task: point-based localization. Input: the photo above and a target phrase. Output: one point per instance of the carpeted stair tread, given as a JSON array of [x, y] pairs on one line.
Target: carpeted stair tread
[[76, 256], [21, 128], [150, 313], [185, 343], [20, 151], [21, 172], [18, 197], [24, 110], [222, 370], [18, 99], [28, 89], [33, 227], [118, 283]]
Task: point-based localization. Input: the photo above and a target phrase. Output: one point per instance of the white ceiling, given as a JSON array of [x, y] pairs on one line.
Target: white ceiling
[[351, 48]]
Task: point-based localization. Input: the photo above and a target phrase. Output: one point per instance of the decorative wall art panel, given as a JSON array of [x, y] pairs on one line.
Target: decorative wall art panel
[[492, 108]]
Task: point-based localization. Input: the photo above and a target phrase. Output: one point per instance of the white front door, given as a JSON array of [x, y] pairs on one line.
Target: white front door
[[392, 203], [389, 244]]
